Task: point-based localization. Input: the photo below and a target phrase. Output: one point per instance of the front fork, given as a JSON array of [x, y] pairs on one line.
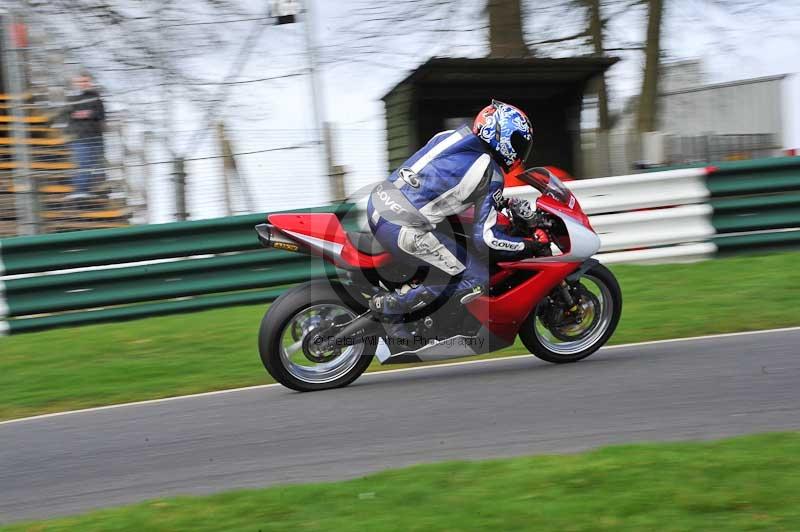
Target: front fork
[[571, 305], [566, 295]]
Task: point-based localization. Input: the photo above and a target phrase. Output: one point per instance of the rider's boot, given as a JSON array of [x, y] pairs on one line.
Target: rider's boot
[[409, 298], [391, 307]]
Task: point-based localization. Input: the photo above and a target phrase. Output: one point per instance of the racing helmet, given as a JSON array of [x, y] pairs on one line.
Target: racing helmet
[[507, 131]]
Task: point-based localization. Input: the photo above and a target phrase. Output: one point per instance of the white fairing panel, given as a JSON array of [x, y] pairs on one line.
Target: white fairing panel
[[382, 352], [583, 243]]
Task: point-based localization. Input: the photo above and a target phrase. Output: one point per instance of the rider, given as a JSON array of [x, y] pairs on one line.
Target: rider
[[454, 170]]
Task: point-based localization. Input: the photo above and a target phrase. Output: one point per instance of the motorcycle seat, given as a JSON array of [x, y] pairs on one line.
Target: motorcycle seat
[[365, 242]]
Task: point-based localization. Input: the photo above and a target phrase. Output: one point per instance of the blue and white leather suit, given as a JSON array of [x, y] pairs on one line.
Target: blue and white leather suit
[[453, 171]]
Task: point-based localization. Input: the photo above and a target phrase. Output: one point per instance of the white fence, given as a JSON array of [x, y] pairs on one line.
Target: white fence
[[646, 218]]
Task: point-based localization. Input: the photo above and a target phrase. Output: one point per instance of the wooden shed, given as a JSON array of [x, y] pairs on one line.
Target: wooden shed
[[447, 92]]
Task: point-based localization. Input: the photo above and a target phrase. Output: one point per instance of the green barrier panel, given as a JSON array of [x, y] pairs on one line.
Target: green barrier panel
[[757, 202], [763, 181], [755, 165], [131, 244], [73, 319], [755, 176], [756, 196], [240, 272], [77, 280], [777, 240], [123, 291], [48, 253], [748, 165], [757, 219]]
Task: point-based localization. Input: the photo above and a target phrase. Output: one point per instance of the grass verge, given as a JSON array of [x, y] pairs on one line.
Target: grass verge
[[160, 357], [738, 484]]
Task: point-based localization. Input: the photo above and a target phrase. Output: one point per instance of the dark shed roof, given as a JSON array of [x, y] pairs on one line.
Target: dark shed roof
[[514, 70]]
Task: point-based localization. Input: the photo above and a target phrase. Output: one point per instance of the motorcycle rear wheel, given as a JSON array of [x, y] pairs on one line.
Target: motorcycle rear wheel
[[287, 354], [557, 346]]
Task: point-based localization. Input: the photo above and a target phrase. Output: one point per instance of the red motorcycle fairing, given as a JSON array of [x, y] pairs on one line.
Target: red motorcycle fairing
[[555, 207], [324, 235], [504, 314]]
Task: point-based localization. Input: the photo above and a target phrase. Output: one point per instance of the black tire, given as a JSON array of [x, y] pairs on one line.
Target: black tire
[[279, 315], [536, 347]]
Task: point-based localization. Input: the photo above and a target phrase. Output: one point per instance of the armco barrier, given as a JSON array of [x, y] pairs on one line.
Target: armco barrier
[[97, 276], [694, 213], [756, 204], [70, 279], [642, 191], [650, 217], [654, 228]]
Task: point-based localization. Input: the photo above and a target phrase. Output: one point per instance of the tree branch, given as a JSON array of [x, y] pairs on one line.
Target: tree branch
[[584, 33]]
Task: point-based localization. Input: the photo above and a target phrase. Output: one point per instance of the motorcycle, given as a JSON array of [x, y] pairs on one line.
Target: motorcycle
[[562, 304]]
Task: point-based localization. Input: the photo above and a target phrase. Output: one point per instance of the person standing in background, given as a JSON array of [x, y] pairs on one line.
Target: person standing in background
[[86, 123]]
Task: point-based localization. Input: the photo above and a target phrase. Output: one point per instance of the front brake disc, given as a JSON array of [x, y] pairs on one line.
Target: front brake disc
[[569, 329]]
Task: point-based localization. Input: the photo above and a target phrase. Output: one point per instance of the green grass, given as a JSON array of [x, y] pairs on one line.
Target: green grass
[[161, 357], [748, 483]]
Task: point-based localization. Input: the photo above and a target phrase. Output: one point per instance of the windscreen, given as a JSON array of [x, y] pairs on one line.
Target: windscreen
[[545, 182]]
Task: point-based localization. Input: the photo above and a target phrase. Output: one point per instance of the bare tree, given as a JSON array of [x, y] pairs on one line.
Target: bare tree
[[754, 16], [398, 33], [505, 29], [648, 99], [404, 27], [146, 49], [595, 26]]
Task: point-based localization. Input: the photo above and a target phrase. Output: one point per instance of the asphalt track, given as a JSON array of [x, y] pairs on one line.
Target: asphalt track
[[692, 389]]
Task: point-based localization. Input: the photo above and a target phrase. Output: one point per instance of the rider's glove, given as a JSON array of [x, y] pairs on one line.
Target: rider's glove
[[541, 236], [535, 245]]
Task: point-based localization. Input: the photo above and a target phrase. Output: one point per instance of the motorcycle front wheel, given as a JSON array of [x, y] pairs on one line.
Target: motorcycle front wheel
[[570, 340], [287, 337]]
